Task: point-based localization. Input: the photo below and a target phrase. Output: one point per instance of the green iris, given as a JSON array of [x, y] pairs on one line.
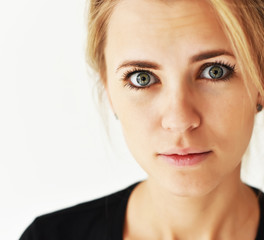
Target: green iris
[[216, 72], [143, 79]]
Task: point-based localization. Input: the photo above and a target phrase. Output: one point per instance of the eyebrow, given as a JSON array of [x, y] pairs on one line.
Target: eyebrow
[[139, 64], [196, 58], [209, 54]]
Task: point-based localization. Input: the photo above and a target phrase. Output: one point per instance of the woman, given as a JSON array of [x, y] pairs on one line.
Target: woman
[[185, 80]]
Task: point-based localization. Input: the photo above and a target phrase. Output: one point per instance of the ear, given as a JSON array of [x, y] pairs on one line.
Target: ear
[[260, 99], [260, 102]]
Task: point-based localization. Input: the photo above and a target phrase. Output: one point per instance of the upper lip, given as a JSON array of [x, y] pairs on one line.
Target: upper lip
[[184, 151]]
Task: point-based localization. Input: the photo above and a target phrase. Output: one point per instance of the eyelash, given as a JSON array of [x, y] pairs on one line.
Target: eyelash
[[126, 75], [231, 68]]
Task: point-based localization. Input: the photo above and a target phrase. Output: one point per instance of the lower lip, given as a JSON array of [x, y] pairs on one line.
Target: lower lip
[[185, 160]]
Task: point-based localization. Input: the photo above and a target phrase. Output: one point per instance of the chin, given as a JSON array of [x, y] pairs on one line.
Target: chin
[[194, 188]]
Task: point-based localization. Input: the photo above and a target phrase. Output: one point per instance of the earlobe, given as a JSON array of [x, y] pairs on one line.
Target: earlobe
[[259, 107], [260, 103]]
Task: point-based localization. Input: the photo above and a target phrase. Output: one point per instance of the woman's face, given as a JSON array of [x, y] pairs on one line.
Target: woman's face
[[178, 92]]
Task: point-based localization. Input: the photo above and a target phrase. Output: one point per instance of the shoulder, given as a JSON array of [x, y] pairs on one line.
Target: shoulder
[[89, 220]]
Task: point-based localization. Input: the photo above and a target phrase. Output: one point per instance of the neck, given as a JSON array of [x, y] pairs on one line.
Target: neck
[[215, 215]]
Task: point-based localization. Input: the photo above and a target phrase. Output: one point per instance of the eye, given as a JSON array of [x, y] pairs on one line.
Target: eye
[[142, 79], [216, 71]]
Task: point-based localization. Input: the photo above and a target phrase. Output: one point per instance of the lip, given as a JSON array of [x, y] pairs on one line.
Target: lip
[[184, 151], [185, 157]]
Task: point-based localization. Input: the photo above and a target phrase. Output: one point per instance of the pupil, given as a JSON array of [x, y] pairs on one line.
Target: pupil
[[143, 79], [216, 72]]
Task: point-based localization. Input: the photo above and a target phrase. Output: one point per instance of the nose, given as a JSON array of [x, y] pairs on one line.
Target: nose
[[179, 113]]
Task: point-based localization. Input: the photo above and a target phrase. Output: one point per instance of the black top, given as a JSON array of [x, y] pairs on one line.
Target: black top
[[100, 219]]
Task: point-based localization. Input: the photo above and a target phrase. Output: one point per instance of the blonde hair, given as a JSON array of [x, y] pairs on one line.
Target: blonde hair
[[98, 16], [242, 22]]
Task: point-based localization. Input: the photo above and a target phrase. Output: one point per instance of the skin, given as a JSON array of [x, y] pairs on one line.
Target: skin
[[181, 110]]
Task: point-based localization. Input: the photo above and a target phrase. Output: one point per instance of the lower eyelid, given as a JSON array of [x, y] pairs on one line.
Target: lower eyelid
[[133, 87]]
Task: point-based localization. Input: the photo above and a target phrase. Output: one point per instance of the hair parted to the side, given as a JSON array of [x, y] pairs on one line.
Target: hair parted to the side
[[242, 22]]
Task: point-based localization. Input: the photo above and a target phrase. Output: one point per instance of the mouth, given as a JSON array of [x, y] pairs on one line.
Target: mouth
[[181, 159]]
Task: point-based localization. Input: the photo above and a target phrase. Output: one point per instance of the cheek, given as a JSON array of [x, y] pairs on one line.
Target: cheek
[[231, 125], [138, 121], [133, 107], [138, 124]]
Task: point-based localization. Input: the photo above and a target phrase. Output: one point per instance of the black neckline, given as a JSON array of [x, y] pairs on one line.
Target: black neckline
[[117, 225], [260, 196]]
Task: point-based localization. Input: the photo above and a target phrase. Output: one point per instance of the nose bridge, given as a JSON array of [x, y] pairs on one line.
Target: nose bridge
[[179, 111]]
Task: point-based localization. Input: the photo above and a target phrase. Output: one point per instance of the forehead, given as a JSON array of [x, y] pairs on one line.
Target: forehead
[[163, 14], [165, 26], [157, 11]]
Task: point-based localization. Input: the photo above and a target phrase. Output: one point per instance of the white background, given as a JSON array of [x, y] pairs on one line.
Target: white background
[[54, 151]]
